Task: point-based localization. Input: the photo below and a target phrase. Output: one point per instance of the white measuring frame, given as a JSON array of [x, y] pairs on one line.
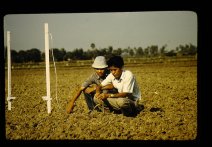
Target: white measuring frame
[[47, 98], [9, 97]]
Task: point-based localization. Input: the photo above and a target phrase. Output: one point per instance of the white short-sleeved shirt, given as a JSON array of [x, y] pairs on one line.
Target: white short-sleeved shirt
[[126, 83]]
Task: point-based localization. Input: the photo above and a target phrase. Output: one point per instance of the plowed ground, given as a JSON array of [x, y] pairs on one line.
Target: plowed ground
[[169, 97]]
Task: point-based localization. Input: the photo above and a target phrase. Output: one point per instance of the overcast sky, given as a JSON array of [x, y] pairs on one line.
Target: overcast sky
[[120, 30]]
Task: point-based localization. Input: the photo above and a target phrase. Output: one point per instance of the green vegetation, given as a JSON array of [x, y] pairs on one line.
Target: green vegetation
[[36, 56], [129, 61]]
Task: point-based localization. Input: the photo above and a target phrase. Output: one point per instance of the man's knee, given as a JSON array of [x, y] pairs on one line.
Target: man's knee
[[90, 89], [123, 103]]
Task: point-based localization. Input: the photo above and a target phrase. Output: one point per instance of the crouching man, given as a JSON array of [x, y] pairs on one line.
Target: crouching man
[[128, 94]]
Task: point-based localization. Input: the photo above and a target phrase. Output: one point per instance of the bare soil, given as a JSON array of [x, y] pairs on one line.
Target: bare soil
[[169, 97]]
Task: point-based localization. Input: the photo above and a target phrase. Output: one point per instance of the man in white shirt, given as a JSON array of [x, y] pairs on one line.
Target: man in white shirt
[[88, 87], [128, 90]]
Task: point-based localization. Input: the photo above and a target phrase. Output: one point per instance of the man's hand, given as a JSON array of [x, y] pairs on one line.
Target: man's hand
[[103, 96], [70, 107]]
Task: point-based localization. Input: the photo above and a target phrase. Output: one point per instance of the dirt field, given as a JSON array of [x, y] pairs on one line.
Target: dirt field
[[169, 97]]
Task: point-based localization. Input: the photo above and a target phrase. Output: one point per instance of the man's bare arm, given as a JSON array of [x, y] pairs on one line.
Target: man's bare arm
[[70, 105], [107, 87]]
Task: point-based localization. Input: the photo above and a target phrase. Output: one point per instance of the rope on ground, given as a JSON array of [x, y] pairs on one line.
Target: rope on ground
[[55, 70]]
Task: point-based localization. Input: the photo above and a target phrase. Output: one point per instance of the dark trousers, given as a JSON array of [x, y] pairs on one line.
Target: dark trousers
[[89, 100]]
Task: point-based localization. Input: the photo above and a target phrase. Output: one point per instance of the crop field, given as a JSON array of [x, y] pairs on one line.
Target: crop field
[[169, 97]]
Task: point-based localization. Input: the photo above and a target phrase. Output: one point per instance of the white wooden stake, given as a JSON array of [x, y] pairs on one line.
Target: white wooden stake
[[9, 98], [47, 98]]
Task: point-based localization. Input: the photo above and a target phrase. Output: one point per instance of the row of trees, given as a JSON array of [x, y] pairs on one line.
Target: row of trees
[[35, 55]]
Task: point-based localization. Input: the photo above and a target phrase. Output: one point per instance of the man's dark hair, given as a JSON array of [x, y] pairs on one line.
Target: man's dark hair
[[116, 61]]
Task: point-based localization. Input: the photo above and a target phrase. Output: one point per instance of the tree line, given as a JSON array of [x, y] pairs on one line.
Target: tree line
[[35, 55]]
